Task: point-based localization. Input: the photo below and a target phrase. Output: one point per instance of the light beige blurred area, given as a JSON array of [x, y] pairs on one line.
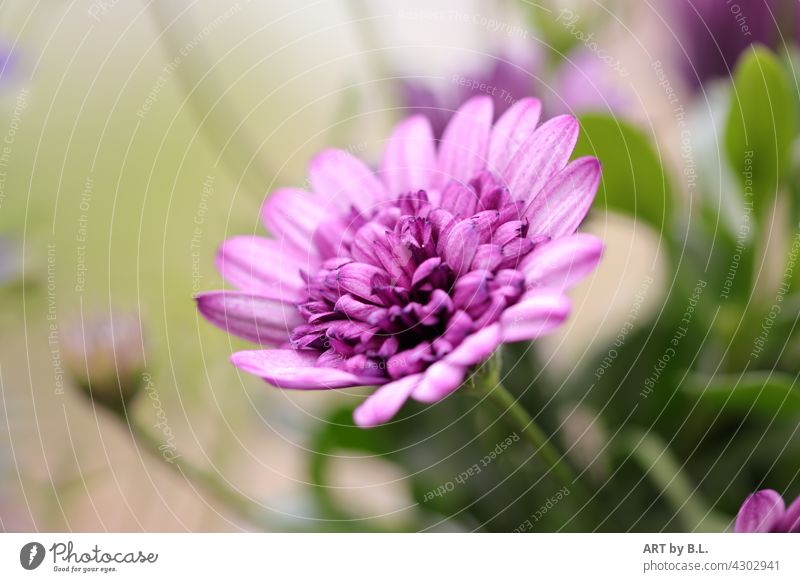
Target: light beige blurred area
[[144, 133]]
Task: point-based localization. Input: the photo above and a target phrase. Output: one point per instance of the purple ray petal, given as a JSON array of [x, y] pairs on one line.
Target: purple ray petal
[[384, 403], [562, 263], [538, 313], [409, 160], [561, 207], [342, 179], [459, 199], [260, 265], [477, 347], [441, 379], [540, 157], [296, 369], [791, 519], [368, 241], [761, 512], [512, 130], [357, 279], [292, 215], [354, 308], [465, 143], [461, 244], [252, 317]]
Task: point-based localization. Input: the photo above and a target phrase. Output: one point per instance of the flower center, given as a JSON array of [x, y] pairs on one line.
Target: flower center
[[402, 285]]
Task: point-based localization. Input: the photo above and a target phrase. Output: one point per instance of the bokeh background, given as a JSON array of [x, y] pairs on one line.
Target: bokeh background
[[137, 135]]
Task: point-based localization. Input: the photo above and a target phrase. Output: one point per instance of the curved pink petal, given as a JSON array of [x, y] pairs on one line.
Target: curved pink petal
[[446, 376], [409, 160], [255, 318], [539, 312], [761, 512], [384, 403], [543, 154], [260, 265], [291, 215], [561, 207], [343, 180], [441, 379], [460, 244], [296, 369], [513, 128], [465, 142], [791, 519], [561, 263], [476, 348]]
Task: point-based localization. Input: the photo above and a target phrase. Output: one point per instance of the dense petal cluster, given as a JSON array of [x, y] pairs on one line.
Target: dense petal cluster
[[765, 512], [407, 276]]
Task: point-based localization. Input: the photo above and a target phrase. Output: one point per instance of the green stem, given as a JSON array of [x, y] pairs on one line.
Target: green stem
[[232, 499], [520, 418]]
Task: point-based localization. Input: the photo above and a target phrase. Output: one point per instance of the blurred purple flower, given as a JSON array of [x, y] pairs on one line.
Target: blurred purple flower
[[7, 61], [585, 83], [409, 276], [506, 81], [714, 33], [765, 512]]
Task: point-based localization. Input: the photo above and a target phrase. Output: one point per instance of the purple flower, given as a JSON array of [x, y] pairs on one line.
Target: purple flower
[[409, 276], [713, 34], [586, 83], [765, 512]]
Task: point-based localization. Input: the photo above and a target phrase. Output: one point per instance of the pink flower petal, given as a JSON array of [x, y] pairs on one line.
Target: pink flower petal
[[460, 245], [561, 207], [291, 215], [296, 369], [476, 348], [538, 313], [260, 265], [441, 379], [409, 160], [560, 264], [465, 143], [791, 519], [511, 131], [384, 403], [540, 157], [761, 512], [344, 180], [255, 318]]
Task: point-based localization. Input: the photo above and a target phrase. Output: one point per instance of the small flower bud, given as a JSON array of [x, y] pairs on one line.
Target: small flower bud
[[10, 261], [105, 357]]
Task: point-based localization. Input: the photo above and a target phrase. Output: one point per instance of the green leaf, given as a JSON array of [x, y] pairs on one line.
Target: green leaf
[[772, 395], [665, 472], [634, 181], [760, 126]]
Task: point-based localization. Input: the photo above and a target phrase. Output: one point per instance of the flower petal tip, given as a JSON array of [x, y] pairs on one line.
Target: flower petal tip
[[761, 512]]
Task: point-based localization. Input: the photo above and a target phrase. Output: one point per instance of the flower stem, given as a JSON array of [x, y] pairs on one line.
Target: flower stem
[[520, 418], [236, 502]]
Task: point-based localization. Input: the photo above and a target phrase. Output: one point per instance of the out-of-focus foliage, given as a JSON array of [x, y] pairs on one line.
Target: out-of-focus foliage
[[634, 181], [761, 126]]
